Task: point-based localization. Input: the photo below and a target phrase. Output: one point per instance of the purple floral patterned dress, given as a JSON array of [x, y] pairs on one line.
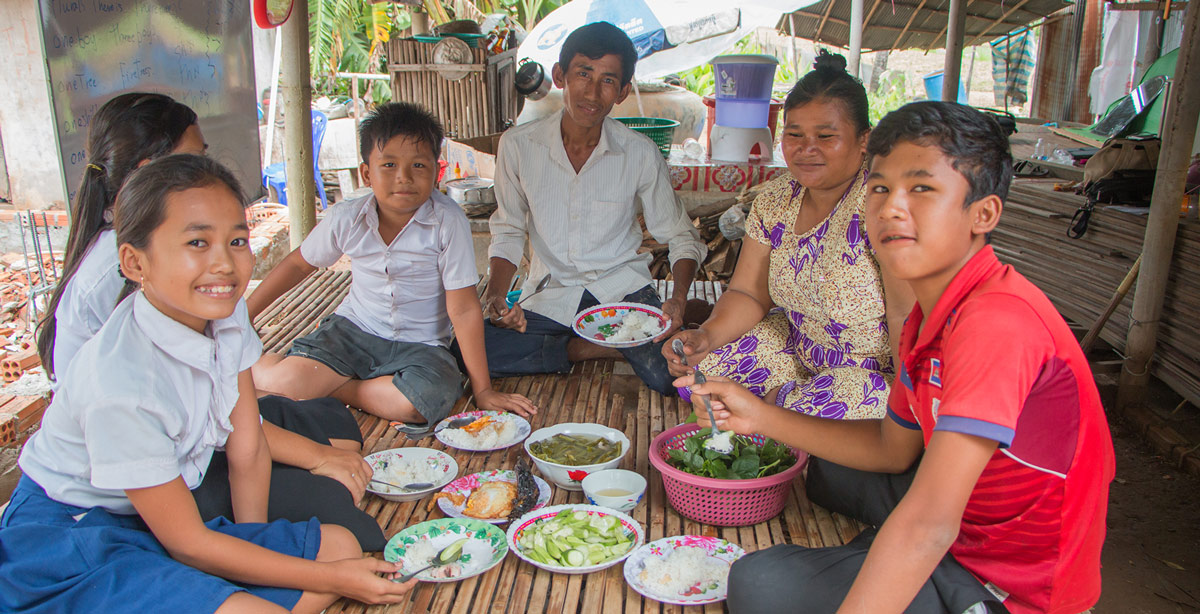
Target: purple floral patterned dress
[[825, 346]]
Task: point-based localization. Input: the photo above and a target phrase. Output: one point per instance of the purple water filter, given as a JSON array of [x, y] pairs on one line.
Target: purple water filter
[[744, 77]]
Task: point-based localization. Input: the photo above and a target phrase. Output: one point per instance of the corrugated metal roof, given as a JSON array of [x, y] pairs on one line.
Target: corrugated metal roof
[[907, 24]]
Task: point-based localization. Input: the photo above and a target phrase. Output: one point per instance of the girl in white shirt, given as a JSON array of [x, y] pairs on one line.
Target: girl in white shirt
[[127, 132], [102, 519]]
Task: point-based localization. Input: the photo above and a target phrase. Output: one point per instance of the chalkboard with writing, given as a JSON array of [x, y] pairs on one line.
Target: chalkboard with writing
[[196, 51]]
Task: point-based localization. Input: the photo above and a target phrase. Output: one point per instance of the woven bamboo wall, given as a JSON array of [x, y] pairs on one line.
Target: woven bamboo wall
[[1080, 275], [483, 102]]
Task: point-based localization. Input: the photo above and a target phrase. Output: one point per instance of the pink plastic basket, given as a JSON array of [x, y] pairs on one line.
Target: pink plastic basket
[[724, 503]]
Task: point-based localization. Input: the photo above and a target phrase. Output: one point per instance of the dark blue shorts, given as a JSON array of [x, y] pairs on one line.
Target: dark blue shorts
[[61, 558], [426, 375]]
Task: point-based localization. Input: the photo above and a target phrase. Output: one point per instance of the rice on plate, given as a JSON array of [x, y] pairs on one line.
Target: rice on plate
[[403, 471], [635, 326], [490, 436], [686, 569]]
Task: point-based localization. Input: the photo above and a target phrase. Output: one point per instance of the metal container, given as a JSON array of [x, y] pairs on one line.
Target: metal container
[[471, 191], [532, 81]]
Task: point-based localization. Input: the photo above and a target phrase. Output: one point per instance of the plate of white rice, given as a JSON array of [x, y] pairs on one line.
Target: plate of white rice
[[683, 570], [620, 325], [491, 430], [402, 466]]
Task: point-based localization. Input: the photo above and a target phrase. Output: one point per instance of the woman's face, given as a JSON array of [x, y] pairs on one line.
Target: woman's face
[[821, 146]]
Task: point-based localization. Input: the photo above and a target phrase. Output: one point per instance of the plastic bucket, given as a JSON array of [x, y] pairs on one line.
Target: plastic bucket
[[933, 87], [736, 113], [710, 102], [745, 77]]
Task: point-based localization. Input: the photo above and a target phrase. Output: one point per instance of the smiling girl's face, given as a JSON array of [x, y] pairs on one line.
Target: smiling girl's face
[[198, 261]]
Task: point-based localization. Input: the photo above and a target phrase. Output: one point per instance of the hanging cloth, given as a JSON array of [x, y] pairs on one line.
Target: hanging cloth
[[1012, 63]]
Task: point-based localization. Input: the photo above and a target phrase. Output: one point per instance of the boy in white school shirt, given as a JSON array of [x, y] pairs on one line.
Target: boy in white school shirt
[[386, 350], [574, 183]]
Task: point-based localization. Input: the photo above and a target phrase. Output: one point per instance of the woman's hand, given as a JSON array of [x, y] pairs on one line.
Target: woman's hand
[[346, 467], [735, 408], [696, 345], [361, 580], [503, 401]]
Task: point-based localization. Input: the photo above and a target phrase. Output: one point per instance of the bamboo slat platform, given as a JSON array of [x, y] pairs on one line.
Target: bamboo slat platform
[[586, 394], [1080, 275]]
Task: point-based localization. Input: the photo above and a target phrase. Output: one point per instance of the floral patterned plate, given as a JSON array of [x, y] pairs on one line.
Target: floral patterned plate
[[388, 463], [468, 483], [523, 430], [697, 594], [415, 545], [597, 324]]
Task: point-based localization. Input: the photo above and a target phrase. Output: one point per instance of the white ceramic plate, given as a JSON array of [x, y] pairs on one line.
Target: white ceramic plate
[[486, 548], [445, 465], [523, 430], [597, 324], [468, 483], [516, 529], [698, 594]]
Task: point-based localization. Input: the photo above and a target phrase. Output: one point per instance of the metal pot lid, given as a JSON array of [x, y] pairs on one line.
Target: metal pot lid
[[469, 183]]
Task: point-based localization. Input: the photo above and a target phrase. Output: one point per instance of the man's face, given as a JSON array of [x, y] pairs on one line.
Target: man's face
[[590, 88]]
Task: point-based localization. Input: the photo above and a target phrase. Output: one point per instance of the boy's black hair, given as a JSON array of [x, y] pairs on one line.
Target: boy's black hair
[[596, 40], [829, 80], [975, 143], [394, 119]]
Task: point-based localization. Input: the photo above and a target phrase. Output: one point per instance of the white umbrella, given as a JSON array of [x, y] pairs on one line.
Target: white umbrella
[[670, 35]]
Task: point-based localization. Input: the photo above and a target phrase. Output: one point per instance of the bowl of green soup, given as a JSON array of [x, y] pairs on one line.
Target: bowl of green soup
[[568, 452]]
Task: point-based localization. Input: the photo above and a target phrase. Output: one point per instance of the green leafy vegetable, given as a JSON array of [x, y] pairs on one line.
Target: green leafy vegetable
[[746, 462]]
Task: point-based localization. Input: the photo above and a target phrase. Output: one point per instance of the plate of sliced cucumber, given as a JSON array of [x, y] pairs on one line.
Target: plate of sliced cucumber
[[574, 538]]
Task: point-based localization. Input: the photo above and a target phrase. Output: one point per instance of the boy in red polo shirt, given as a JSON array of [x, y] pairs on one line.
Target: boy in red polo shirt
[[1005, 510]]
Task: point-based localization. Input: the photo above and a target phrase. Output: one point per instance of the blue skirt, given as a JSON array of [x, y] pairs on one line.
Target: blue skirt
[[60, 558]]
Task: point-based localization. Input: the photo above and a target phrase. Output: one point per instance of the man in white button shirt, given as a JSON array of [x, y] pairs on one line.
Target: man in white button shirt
[[574, 184]]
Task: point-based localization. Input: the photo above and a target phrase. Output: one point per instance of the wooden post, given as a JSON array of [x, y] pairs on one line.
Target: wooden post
[[856, 30], [1179, 131], [297, 120], [952, 71]]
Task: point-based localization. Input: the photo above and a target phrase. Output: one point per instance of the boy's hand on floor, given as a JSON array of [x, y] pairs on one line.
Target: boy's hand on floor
[[503, 401], [346, 467], [735, 408], [369, 580]]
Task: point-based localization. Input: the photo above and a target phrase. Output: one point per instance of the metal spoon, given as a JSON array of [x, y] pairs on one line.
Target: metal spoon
[[541, 285], [444, 557], [456, 423], [712, 443], [413, 486], [677, 347]]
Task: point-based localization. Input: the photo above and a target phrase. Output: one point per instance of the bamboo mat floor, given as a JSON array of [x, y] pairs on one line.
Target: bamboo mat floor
[[598, 391]]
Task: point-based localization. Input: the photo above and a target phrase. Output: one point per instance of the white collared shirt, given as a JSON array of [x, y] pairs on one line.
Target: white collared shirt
[[583, 227], [398, 291], [146, 400], [87, 301]]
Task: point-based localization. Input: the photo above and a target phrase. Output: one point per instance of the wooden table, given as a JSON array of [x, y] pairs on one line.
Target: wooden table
[[595, 391]]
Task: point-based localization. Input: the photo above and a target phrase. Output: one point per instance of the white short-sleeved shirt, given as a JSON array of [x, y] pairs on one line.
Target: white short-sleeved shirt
[[146, 400], [87, 301], [398, 291], [583, 226]]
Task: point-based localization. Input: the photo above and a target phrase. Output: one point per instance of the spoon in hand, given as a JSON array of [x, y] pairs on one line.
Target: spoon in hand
[[444, 557], [541, 285], [677, 347], [719, 441], [413, 486]]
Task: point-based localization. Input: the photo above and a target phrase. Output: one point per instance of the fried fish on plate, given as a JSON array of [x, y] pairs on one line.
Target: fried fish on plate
[[491, 500]]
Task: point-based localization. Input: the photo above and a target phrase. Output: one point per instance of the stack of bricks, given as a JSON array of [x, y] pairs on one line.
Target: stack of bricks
[[13, 366], [19, 415]]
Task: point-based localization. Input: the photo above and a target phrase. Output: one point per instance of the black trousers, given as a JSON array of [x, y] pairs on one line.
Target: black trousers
[[296, 494], [795, 579]]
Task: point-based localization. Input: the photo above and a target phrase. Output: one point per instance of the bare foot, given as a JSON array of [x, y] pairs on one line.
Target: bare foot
[[579, 349]]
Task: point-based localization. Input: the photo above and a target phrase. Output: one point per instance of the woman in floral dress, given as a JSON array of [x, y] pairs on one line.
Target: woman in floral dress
[[806, 318]]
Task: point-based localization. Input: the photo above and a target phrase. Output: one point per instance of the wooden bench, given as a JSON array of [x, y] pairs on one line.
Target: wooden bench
[[591, 392]]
